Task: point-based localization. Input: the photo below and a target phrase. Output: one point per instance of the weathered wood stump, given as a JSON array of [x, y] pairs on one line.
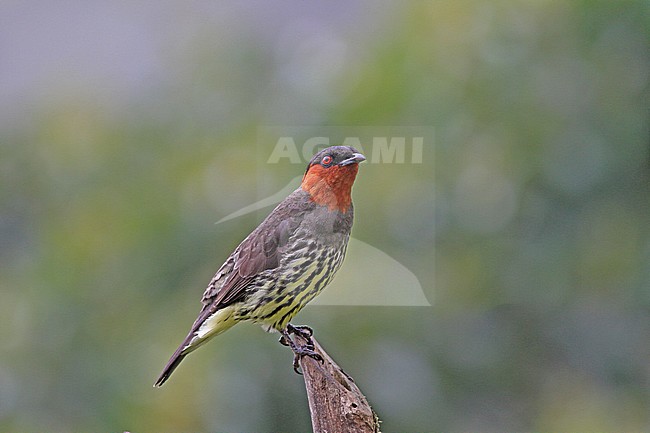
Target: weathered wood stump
[[336, 403]]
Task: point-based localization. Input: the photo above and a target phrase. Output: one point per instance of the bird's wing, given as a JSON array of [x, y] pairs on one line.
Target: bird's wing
[[259, 252]]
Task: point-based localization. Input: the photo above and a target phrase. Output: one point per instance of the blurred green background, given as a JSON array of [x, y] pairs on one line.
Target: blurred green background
[[128, 128]]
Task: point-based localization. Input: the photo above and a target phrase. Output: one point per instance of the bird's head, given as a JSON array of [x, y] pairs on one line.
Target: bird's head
[[330, 175]]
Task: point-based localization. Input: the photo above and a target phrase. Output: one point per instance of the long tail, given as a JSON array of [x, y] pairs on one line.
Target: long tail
[[173, 362], [208, 325]]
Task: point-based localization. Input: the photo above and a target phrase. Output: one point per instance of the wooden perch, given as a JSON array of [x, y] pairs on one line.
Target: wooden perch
[[335, 402]]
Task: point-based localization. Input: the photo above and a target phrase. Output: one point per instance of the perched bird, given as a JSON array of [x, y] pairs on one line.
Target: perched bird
[[285, 262]]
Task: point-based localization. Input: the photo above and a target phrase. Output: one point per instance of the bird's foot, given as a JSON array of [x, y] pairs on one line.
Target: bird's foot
[[304, 351], [300, 351], [303, 331]]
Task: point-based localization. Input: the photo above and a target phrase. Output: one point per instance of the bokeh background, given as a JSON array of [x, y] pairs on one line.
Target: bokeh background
[[128, 128]]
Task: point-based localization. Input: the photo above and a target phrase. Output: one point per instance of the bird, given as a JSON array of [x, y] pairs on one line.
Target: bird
[[285, 262]]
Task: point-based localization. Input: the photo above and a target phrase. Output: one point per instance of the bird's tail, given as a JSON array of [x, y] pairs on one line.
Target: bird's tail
[[208, 325], [173, 362]]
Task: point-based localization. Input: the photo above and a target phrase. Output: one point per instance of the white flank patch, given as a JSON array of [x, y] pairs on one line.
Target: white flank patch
[[219, 322]]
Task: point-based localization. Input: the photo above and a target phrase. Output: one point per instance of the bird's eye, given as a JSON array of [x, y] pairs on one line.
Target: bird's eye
[[327, 160]]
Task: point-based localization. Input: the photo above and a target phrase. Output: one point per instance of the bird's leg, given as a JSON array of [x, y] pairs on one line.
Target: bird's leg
[[298, 351], [304, 331]]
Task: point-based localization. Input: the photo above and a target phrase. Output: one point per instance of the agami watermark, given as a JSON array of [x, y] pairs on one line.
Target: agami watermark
[[369, 276], [382, 149]]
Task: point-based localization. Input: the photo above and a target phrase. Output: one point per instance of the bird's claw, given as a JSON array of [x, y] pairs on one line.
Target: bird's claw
[[304, 351], [303, 330], [299, 351]]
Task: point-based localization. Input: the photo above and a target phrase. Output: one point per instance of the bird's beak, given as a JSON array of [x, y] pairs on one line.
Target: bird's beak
[[354, 159]]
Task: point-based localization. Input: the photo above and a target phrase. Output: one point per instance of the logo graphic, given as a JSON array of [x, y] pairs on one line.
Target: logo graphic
[[384, 149], [369, 276]]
